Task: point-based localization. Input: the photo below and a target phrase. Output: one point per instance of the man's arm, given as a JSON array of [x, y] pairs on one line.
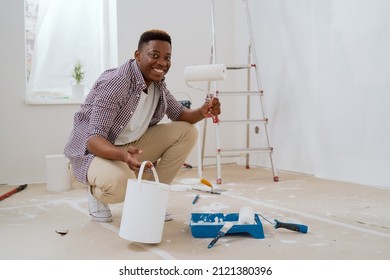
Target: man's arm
[[207, 110], [101, 147]]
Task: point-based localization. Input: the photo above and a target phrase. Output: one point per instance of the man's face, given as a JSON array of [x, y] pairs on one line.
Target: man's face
[[154, 60]]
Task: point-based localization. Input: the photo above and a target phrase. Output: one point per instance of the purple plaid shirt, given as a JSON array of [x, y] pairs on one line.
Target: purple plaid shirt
[[108, 108]]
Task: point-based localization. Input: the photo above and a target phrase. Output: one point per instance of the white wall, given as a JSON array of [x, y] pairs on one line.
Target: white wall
[[28, 133], [325, 72]]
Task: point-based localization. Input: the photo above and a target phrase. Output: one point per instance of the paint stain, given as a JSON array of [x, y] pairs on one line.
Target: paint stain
[[180, 188], [214, 207], [317, 244], [288, 241]]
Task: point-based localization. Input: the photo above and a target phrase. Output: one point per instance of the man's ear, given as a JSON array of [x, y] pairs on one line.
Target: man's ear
[[137, 54]]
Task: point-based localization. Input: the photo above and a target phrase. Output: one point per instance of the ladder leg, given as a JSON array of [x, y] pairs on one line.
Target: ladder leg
[[200, 164], [252, 63], [218, 140], [254, 56], [216, 120], [274, 171], [248, 107], [204, 140]]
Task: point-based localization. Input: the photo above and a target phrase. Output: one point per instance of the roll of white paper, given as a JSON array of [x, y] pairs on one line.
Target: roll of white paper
[[210, 72], [246, 216], [58, 176]]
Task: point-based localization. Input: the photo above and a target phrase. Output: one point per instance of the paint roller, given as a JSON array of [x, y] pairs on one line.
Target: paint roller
[[208, 73], [246, 216], [205, 73]]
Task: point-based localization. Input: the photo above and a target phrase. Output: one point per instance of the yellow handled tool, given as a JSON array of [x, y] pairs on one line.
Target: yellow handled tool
[[207, 183]]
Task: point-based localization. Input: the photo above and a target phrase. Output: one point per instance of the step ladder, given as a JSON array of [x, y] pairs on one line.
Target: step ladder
[[261, 120]]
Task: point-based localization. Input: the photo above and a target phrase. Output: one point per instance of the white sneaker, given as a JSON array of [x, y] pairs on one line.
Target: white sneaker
[[98, 211], [168, 217]]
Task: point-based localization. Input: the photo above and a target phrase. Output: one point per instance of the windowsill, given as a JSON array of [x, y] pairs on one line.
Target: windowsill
[[58, 100]]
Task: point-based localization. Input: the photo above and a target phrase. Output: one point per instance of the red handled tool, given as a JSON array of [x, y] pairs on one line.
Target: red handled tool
[[11, 192], [209, 98]]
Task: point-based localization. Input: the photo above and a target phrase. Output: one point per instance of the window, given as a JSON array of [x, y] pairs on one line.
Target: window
[[58, 34], [31, 17]]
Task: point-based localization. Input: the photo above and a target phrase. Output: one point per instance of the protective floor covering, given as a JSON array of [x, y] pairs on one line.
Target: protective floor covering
[[346, 221]]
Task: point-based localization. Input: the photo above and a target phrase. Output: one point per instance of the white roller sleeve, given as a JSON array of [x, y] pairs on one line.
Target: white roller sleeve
[[210, 72], [246, 216]]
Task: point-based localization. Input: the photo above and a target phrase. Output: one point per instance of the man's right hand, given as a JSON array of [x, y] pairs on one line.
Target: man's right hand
[[101, 147], [130, 158]]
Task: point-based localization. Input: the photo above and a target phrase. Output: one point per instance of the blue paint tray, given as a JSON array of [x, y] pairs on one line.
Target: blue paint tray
[[207, 225]]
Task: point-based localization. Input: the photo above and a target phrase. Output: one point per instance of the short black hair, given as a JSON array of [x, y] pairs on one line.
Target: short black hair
[[154, 34]]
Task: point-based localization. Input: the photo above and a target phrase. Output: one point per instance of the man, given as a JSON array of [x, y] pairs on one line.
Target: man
[[117, 127]]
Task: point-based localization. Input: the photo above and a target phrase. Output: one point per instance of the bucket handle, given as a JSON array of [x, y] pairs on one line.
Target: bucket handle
[[141, 171]]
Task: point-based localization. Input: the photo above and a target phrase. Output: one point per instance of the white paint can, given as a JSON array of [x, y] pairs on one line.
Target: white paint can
[[58, 178], [143, 215]]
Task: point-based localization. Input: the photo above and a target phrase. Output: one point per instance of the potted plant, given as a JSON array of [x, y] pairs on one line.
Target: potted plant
[[78, 76]]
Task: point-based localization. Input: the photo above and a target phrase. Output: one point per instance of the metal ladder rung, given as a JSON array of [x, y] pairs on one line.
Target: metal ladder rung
[[243, 121], [228, 156], [237, 93], [246, 150], [241, 152], [239, 66]]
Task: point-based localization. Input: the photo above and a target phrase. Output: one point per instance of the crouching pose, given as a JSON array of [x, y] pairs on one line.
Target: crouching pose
[[117, 127]]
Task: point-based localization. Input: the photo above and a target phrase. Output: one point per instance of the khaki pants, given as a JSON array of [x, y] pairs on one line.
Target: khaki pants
[[169, 143]]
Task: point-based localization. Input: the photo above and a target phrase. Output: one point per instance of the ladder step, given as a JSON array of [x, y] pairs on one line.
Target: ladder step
[[236, 93], [250, 70], [246, 150], [243, 121], [240, 152], [239, 66], [226, 156]]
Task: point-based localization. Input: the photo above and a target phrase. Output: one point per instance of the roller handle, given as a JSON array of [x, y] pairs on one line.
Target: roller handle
[[290, 226], [209, 98]]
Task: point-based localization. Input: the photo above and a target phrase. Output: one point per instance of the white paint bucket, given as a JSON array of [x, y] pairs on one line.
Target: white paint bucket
[[58, 178], [143, 214]]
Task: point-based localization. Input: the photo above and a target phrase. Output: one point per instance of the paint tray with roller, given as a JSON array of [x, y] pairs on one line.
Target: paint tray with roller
[[207, 225]]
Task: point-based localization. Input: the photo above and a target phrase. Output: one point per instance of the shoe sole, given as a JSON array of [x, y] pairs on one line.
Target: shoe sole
[[168, 217], [101, 220]]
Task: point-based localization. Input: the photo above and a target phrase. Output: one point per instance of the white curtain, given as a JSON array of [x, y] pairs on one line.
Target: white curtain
[[67, 31]]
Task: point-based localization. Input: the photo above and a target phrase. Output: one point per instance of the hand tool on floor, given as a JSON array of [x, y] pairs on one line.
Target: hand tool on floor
[[203, 190], [207, 183], [221, 233], [195, 199], [289, 226], [11, 192]]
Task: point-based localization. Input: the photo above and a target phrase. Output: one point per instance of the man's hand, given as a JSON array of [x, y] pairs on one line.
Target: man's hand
[[100, 147], [211, 108], [130, 157]]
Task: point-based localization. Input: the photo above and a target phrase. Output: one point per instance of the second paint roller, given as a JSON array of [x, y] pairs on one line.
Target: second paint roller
[[246, 216]]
